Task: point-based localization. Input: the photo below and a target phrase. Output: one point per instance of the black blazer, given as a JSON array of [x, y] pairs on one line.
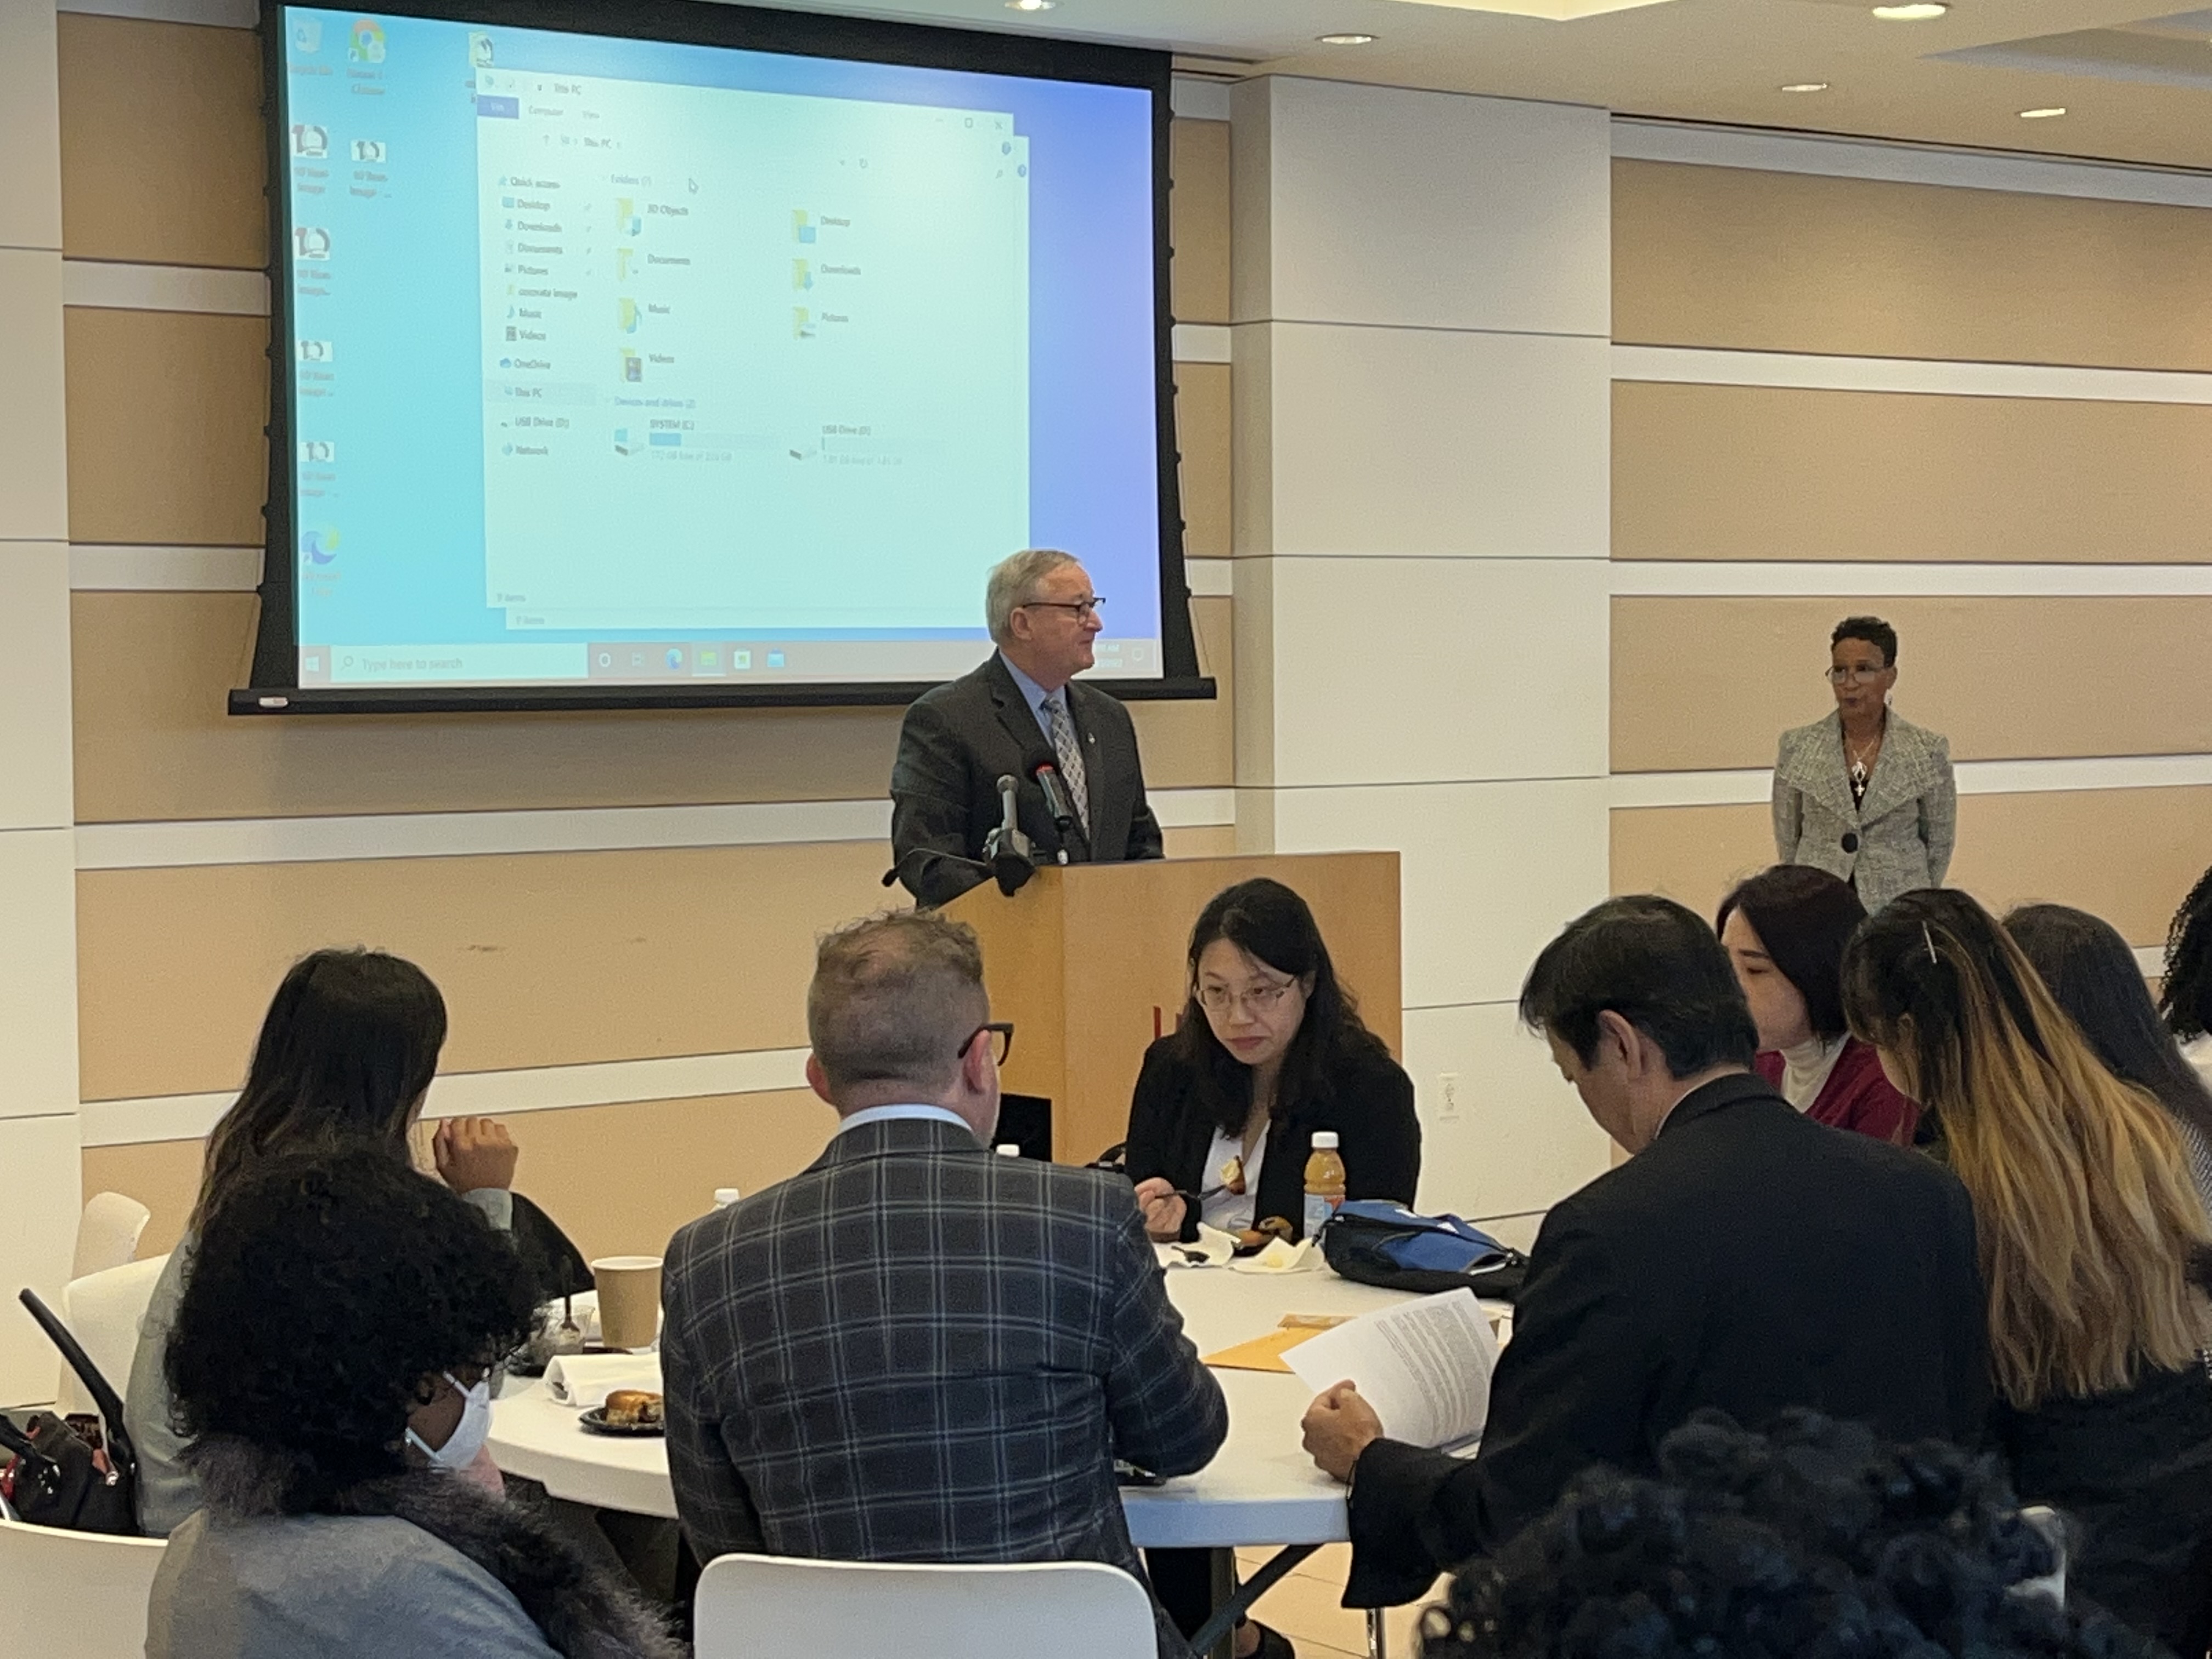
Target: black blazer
[[1369, 1102], [1748, 1259], [955, 742]]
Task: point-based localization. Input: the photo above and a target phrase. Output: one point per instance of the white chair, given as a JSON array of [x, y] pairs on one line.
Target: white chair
[[104, 1311], [74, 1595], [107, 1233], [761, 1606]]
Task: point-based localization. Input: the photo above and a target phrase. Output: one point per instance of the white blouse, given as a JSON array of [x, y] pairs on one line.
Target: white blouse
[[1230, 1211]]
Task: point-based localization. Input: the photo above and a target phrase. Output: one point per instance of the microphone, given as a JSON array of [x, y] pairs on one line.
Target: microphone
[[1056, 799], [1004, 849]]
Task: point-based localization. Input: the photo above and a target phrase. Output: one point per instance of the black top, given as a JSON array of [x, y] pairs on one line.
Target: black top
[[1369, 1102], [1748, 1259], [958, 739], [2132, 1470]]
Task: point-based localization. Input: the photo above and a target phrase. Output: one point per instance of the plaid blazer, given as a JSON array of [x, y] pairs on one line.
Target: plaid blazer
[[918, 1350], [1901, 834]]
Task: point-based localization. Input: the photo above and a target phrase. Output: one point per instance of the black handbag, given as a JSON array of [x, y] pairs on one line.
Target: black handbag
[[57, 1479], [1375, 1242]]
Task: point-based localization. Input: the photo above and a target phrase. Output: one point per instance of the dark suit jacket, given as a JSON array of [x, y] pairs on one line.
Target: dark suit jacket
[[1369, 1102], [1748, 1259], [916, 1351], [956, 741]]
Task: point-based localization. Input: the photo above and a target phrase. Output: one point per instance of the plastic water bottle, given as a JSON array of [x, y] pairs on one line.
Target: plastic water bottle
[[1324, 1182], [726, 1196], [1007, 1149]]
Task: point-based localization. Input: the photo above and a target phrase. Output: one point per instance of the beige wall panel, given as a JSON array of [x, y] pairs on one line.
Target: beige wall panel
[[2128, 855], [1768, 472], [1202, 840], [162, 160], [165, 411], [545, 959], [1702, 683], [162, 1174], [1202, 436], [1726, 257], [152, 671], [1198, 220]]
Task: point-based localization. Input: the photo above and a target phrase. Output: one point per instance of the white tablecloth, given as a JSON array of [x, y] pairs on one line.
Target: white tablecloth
[[1260, 1489]]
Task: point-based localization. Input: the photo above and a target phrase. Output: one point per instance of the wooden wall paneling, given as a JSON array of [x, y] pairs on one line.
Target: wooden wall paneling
[[1198, 221], [1202, 436]]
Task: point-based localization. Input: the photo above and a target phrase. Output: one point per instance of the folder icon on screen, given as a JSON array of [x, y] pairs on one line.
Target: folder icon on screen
[[623, 257], [802, 323], [626, 219], [633, 365], [802, 274], [629, 313], [802, 225]]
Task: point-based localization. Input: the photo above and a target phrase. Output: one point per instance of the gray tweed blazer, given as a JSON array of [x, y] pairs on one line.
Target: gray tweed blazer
[[1898, 838]]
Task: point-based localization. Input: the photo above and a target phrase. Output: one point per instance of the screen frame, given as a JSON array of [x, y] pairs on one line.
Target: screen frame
[[276, 689]]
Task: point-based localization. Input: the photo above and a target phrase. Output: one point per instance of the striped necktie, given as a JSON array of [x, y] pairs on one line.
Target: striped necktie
[[1065, 749]]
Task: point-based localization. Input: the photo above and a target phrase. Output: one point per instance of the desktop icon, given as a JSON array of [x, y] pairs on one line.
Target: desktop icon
[[480, 50], [802, 323], [311, 242], [372, 150], [626, 224], [633, 367], [367, 44], [320, 544], [741, 659], [307, 35], [675, 658], [317, 351], [622, 258], [802, 275], [802, 225], [623, 446], [706, 658], [318, 452], [311, 142], [776, 659], [626, 310]]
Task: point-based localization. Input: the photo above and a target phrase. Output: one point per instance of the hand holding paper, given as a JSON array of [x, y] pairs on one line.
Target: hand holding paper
[[1423, 1366]]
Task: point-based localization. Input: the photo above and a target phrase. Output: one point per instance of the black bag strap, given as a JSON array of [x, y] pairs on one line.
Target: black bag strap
[[121, 1455]]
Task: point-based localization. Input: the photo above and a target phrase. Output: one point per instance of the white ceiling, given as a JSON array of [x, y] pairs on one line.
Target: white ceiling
[[2131, 85]]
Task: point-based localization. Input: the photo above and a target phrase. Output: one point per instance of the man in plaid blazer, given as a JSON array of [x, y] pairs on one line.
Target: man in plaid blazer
[[914, 1350]]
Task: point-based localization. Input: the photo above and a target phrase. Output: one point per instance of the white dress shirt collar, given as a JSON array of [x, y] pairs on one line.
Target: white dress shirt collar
[[896, 1113]]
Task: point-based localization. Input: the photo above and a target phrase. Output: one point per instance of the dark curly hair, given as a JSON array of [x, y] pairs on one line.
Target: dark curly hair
[[1873, 631], [1813, 1541], [324, 1290], [2186, 998]]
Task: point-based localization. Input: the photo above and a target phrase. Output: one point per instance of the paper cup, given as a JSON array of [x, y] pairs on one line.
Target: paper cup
[[630, 1300]]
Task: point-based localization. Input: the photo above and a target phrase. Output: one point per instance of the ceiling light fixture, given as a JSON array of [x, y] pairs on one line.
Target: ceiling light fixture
[[1912, 11], [1805, 86], [1347, 39], [2043, 114], [1031, 5]]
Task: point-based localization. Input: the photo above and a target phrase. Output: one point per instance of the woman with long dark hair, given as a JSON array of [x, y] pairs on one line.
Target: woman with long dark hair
[[344, 1058], [328, 1366], [2092, 1245], [2092, 971], [1269, 1051]]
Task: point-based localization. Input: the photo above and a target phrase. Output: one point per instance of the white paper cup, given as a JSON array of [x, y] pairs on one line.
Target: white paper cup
[[630, 1300]]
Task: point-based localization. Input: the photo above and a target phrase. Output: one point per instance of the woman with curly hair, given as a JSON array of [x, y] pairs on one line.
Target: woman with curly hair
[[344, 1058], [2092, 1243], [2185, 997], [327, 1368], [1813, 1539]]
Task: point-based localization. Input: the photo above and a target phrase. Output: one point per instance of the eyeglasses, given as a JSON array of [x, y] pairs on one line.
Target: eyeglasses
[[1260, 1000], [1000, 1030], [1085, 610], [1853, 675]]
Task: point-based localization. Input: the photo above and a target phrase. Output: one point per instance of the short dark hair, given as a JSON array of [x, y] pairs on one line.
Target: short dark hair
[[1874, 630], [1804, 918], [2186, 998], [1813, 1538], [1656, 965], [891, 997], [324, 1288]]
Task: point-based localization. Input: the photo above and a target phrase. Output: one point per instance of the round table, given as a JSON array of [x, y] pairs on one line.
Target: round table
[[1260, 1488]]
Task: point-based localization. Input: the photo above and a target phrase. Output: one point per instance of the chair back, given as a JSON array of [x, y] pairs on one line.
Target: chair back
[[104, 1312], [761, 1606], [75, 1595], [107, 1233]]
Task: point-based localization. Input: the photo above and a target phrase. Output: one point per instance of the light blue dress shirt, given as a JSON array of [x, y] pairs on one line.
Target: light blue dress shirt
[[892, 1113], [1034, 695]]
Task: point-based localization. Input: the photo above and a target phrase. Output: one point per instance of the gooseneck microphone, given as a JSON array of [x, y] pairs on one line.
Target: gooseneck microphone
[[1056, 800], [1004, 849]]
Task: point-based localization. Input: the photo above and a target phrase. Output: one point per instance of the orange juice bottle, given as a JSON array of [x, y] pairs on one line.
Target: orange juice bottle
[[1324, 1181]]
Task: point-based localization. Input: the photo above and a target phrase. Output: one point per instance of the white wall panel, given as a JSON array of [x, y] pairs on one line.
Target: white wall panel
[[30, 127], [38, 1233], [1439, 670], [1421, 209], [1521, 1140], [34, 687], [1490, 872], [37, 975], [33, 438], [1405, 441]]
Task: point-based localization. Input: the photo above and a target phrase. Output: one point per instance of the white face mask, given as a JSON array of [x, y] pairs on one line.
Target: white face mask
[[468, 1435]]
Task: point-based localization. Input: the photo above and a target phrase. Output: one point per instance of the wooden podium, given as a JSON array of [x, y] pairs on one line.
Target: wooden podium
[[1088, 962]]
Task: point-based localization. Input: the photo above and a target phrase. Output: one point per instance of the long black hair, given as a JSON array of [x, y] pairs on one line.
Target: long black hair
[[346, 1053], [1270, 923], [1804, 918], [2093, 972], [2186, 998]]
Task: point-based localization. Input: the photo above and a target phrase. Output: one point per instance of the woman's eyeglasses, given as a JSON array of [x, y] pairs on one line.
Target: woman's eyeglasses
[[1259, 999]]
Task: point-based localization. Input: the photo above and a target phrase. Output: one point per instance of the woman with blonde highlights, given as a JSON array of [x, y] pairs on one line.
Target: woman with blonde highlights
[[2093, 1243]]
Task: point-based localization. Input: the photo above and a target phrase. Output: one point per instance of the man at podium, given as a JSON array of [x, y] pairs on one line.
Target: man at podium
[[1078, 786]]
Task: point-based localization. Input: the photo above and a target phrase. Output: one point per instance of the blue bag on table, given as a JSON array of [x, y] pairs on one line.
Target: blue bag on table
[[1378, 1241]]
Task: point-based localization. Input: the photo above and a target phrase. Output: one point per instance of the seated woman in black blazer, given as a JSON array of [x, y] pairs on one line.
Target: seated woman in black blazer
[[1269, 1048]]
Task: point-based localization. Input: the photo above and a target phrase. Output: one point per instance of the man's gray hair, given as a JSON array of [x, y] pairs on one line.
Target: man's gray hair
[[1013, 583], [892, 997]]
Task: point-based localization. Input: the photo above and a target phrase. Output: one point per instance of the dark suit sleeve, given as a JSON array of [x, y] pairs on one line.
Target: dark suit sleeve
[[1156, 1116], [1165, 1409], [1570, 1391], [711, 1501], [1383, 1150], [1145, 841], [1968, 1323], [930, 806]]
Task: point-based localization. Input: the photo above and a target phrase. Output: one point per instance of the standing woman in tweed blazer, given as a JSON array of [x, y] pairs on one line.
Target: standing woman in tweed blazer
[[1865, 794]]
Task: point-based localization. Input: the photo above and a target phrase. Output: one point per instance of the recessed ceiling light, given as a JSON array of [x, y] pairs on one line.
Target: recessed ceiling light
[[1912, 11], [1031, 5], [1806, 85], [1347, 39], [2043, 114]]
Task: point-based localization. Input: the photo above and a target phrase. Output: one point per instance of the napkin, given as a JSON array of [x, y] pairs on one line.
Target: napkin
[[1281, 1258], [585, 1380]]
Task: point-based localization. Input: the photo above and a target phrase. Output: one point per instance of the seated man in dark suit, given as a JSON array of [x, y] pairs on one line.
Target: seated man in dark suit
[[1745, 1258], [915, 1350], [1021, 707]]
